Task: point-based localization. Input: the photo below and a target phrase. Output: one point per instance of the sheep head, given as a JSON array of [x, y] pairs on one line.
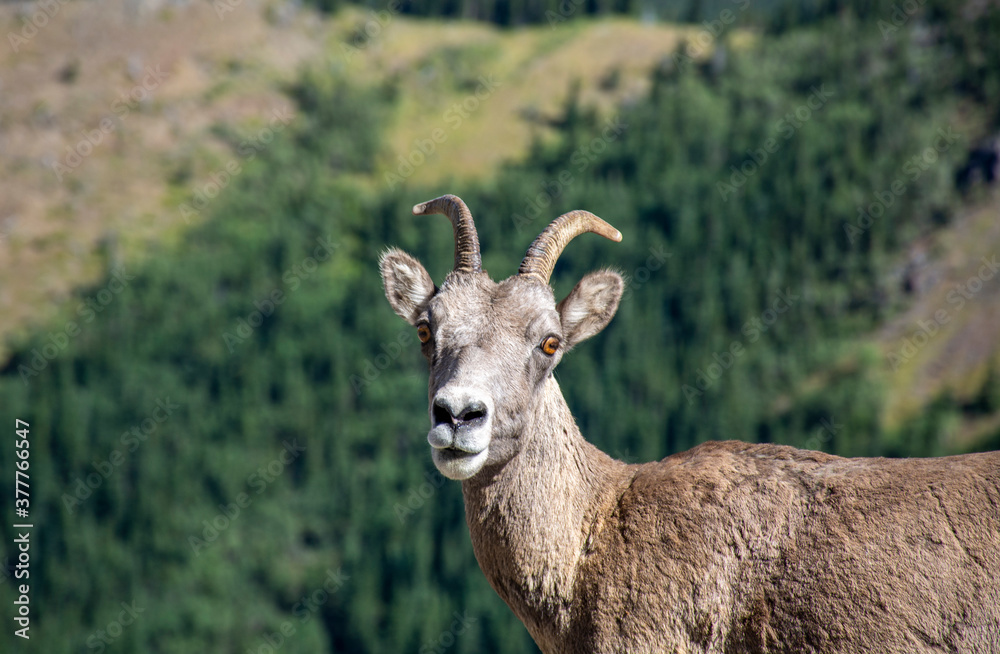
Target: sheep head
[[492, 345]]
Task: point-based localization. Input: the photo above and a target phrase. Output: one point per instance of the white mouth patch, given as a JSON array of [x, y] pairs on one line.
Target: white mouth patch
[[458, 464]]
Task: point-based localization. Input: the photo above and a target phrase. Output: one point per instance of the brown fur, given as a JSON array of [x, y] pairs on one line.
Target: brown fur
[[726, 548]]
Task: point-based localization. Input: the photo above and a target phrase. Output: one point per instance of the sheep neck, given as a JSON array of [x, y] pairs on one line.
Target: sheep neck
[[531, 518]]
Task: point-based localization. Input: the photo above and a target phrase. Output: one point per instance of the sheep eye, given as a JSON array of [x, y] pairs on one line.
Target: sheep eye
[[550, 345], [423, 332]]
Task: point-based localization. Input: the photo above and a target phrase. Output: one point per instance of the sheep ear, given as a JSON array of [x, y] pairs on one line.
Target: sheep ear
[[408, 287], [590, 306]]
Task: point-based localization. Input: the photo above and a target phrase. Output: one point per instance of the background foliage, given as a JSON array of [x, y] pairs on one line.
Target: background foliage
[[331, 370]]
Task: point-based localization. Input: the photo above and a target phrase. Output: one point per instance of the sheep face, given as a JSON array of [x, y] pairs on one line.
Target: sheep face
[[491, 347]]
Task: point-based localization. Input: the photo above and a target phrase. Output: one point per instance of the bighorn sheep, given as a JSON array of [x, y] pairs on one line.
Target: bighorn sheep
[[728, 547]]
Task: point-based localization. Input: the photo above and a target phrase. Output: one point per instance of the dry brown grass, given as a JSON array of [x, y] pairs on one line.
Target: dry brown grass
[[66, 79], [952, 326]]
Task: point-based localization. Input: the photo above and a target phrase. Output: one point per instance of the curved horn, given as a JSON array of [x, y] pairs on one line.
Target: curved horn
[[467, 257], [541, 256]]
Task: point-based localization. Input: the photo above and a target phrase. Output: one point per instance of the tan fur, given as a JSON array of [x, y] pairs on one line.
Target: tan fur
[[726, 548]]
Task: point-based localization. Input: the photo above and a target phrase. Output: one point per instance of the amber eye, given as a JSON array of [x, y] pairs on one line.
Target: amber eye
[[550, 345], [423, 332]]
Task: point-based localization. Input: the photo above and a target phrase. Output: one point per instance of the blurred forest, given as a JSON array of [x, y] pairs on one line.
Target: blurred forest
[[234, 442]]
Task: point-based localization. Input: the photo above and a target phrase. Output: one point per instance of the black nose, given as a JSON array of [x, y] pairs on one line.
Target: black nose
[[446, 413]]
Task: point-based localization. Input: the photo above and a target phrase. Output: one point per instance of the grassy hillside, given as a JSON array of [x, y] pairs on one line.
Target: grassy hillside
[[217, 83], [945, 341], [160, 80]]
